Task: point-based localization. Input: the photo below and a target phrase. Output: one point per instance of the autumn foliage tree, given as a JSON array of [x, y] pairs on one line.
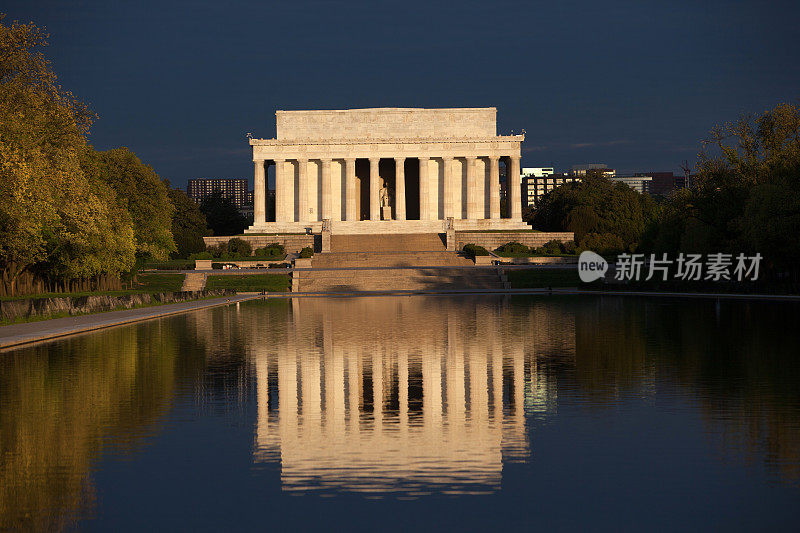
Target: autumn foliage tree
[[52, 217], [747, 197], [70, 216]]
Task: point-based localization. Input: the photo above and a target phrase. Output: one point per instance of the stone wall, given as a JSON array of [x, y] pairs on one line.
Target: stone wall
[[292, 243], [492, 240], [77, 305]]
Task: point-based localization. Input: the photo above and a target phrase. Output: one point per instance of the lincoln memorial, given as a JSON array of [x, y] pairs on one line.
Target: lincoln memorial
[[387, 170]]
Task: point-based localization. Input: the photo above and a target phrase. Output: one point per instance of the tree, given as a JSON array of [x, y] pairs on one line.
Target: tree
[[189, 224], [596, 206], [142, 192], [50, 213], [747, 197], [222, 215]]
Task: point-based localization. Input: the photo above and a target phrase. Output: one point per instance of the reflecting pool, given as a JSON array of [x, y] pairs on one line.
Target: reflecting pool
[[425, 412]]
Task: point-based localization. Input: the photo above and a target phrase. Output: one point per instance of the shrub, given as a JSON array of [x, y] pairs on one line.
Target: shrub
[[552, 247], [602, 243], [201, 255], [275, 249], [514, 247], [306, 252], [570, 247], [239, 247], [473, 250], [271, 250]]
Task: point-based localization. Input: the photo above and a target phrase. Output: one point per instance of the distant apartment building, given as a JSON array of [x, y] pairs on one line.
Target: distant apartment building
[[234, 188], [665, 182], [535, 187], [638, 183], [581, 170]]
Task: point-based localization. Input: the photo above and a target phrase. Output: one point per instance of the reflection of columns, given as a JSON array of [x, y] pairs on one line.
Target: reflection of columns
[[374, 190], [424, 190], [497, 380], [259, 194], [402, 378], [377, 389], [354, 387], [494, 187], [302, 185], [262, 394], [448, 188], [284, 194], [472, 188], [327, 196], [400, 188], [514, 189], [350, 185]]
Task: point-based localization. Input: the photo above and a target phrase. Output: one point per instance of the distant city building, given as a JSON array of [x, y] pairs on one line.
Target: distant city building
[[638, 183], [664, 182], [534, 187], [581, 170], [538, 172], [234, 188]]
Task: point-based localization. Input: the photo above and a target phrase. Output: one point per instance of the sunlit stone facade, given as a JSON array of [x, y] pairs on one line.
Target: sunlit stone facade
[[384, 170]]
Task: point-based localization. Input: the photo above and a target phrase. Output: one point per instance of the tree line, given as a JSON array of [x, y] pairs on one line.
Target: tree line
[[744, 199], [73, 217]]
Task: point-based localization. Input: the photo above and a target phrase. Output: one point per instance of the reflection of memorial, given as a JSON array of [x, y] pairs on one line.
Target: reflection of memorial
[[400, 394]]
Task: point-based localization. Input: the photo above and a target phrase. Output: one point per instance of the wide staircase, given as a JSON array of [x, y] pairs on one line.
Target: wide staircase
[[194, 282], [392, 263]]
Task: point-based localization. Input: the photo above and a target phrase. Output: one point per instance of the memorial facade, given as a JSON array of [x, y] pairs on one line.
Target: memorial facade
[[387, 170]]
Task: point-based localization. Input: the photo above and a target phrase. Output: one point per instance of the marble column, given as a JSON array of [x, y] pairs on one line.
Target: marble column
[[494, 187], [327, 197], [374, 190], [284, 193], [350, 192], [448, 189], [259, 194], [302, 185], [472, 188], [400, 188], [424, 190], [514, 189]]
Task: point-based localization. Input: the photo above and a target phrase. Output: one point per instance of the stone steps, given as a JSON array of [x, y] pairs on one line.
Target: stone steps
[[388, 259], [194, 282], [397, 279]]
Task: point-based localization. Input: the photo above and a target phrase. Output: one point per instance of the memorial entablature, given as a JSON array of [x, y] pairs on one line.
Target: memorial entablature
[[387, 170]]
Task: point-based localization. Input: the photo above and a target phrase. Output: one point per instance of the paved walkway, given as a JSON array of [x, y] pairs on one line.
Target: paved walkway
[[17, 334]]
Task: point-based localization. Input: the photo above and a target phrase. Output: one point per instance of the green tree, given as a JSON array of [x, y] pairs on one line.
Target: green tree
[[142, 192], [222, 215], [747, 193], [50, 213], [596, 206], [189, 224]]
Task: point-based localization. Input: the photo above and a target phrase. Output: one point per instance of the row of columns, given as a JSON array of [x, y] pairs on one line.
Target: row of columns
[[285, 190]]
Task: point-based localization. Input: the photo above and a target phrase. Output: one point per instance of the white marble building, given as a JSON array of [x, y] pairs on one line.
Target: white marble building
[[387, 170]]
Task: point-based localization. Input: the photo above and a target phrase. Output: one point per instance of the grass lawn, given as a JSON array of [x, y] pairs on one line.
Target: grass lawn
[[250, 282], [537, 278], [158, 283]]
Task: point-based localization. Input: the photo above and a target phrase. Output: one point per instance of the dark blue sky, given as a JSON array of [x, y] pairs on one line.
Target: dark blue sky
[[633, 84]]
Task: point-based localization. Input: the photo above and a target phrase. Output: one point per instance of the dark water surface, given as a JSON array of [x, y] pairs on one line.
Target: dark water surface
[[426, 412]]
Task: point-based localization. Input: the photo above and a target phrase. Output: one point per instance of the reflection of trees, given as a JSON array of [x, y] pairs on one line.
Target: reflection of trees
[[736, 358], [60, 402]]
